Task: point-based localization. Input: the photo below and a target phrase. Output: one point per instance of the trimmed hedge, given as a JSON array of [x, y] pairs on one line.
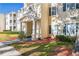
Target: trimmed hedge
[[9, 32], [64, 38]]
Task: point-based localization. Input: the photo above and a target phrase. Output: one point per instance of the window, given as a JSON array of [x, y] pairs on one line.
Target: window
[[73, 17], [64, 29], [54, 12], [10, 15], [10, 21], [49, 29], [64, 6], [14, 15], [70, 6], [54, 30], [70, 29], [14, 21], [10, 27], [14, 27], [77, 5]]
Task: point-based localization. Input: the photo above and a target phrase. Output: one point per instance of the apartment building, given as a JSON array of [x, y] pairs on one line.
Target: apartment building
[[51, 19], [2, 22], [12, 23], [68, 16], [45, 19]]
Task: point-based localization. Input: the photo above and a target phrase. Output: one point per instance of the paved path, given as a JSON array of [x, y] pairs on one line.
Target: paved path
[[8, 50]]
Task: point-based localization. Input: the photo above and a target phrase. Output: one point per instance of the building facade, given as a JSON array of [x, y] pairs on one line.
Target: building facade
[[36, 19], [68, 16], [45, 19], [55, 19], [12, 23], [2, 22]]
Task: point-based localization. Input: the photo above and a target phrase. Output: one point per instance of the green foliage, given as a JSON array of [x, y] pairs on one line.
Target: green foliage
[[64, 38], [3, 39], [9, 32], [22, 35]]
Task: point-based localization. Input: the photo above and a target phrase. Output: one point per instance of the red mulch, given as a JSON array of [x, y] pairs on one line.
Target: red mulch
[[43, 41], [1, 41], [12, 38], [62, 51]]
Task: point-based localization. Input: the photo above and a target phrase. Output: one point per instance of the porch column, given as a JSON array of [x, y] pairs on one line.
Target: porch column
[[34, 30], [37, 29], [25, 27]]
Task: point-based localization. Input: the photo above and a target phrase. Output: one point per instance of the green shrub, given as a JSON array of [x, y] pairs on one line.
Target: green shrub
[[64, 38], [9, 32], [22, 35], [73, 39]]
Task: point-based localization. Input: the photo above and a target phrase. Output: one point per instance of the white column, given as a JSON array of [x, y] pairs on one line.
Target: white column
[[37, 29], [25, 27], [34, 30]]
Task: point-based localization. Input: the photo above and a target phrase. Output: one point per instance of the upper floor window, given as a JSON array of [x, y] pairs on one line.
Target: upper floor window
[[77, 5], [14, 27], [70, 6], [10, 27], [54, 10], [14, 14], [10, 15], [14, 21], [10, 21], [64, 6]]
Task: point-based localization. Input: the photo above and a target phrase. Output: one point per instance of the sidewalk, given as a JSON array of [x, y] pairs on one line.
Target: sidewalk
[[8, 50]]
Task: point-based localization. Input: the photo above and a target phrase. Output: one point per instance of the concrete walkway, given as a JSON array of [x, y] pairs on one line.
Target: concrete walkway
[[8, 50]]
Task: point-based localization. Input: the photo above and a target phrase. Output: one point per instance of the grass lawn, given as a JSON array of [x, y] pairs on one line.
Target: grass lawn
[[41, 49]]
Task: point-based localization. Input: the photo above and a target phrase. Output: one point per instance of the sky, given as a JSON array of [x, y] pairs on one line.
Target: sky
[[6, 8]]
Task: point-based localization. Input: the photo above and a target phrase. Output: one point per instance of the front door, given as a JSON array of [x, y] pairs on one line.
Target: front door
[[29, 28]]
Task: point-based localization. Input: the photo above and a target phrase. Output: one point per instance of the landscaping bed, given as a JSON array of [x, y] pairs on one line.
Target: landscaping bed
[[7, 37], [45, 47]]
